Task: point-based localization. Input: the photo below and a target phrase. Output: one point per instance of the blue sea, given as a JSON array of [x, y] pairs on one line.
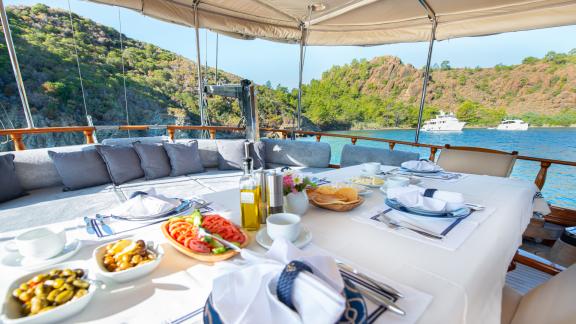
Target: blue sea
[[552, 143]]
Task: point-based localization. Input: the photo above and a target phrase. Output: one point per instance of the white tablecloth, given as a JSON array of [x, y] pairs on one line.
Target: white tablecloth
[[466, 284]]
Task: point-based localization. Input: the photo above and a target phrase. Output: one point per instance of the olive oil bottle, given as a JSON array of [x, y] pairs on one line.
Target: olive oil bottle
[[249, 198]]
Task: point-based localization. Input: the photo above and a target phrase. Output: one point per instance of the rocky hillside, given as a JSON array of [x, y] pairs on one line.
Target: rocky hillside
[[160, 85], [386, 92], [543, 86]]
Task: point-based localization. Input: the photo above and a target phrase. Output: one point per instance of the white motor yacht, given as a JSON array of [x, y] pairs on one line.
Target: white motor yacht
[[444, 122], [513, 124]]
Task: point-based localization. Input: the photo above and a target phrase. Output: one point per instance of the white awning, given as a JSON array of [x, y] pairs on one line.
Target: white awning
[[358, 22]]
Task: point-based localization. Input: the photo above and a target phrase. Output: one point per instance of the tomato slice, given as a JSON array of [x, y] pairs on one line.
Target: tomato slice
[[199, 246]]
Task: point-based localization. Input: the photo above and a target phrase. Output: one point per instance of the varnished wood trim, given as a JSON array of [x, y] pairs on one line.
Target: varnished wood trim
[[561, 216], [45, 130], [89, 135], [525, 258], [171, 132], [478, 149], [334, 166], [391, 145], [432, 156], [18, 143], [318, 137], [354, 140], [541, 176]]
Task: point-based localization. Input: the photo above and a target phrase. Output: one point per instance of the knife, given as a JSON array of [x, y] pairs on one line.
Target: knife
[[382, 286], [375, 298]]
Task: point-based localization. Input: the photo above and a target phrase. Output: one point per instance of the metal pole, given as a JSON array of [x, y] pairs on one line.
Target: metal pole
[[300, 71], [15, 66], [199, 67], [432, 17], [216, 76]]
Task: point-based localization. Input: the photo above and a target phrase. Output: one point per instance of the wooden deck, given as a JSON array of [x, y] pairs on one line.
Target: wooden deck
[[524, 278]]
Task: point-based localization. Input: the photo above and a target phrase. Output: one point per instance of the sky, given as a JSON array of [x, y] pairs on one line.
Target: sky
[[263, 61]]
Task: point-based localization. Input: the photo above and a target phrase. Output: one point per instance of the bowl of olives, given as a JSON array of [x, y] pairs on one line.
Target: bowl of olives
[[49, 295], [125, 260]]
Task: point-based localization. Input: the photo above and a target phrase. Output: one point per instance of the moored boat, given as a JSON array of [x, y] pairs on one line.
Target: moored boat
[[513, 125], [443, 122]]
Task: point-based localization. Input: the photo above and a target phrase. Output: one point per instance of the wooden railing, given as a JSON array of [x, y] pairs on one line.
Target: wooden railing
[[561, 216]]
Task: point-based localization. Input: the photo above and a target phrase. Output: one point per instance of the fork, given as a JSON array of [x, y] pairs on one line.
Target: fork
[[396, 225]]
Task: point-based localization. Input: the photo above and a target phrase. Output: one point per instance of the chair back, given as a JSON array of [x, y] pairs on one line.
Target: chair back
[[551, 302], [356, 154], [477, 160]]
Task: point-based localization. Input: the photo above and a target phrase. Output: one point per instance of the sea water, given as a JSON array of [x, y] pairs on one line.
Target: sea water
[[550, 143]]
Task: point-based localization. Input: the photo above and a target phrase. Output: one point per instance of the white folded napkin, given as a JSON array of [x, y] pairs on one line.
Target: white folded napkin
[[247, 293], [413, 196], [148, 204], [421, 165]]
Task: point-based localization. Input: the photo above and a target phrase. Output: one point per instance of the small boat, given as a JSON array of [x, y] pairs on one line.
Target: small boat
[[444, 122], [513, 124]]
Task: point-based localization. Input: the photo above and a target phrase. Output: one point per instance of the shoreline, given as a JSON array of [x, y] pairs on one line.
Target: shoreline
[[414, 128]]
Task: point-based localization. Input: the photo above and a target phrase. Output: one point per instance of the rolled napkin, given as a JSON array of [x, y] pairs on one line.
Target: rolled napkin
[[421, 165], [146, 203], [427, 199], [247, 293]]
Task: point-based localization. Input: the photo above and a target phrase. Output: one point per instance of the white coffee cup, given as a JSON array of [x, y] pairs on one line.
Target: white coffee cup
[[397, 181], [284, 225], [371, 168], [41, 243]]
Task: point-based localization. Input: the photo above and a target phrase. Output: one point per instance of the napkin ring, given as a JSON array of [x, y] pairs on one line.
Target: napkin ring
[[285, 286]]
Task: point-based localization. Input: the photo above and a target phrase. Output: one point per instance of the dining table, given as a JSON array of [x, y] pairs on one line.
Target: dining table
[[463, 275]]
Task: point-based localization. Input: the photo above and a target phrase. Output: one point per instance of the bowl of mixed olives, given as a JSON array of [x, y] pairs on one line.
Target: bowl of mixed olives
[[125, 260], [48, 295]]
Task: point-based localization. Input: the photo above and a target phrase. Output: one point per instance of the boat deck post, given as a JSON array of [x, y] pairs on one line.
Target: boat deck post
[[432, 16]]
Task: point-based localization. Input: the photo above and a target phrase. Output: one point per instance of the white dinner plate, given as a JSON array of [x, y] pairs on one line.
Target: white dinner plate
[[16, 260], [265, 241]]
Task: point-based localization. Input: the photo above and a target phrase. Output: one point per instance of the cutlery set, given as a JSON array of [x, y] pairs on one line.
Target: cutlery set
[[373, 290], [395, 224]]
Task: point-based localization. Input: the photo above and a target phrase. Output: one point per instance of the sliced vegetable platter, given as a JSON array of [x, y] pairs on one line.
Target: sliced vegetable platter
[[182, 233]]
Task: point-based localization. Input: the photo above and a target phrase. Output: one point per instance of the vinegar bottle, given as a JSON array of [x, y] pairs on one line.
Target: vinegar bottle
[[249, 198]]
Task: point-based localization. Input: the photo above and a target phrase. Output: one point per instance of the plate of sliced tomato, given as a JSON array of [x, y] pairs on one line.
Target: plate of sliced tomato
[[182, 233]]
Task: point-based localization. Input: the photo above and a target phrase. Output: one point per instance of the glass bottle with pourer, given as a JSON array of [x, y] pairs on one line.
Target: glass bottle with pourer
[[249, 197]]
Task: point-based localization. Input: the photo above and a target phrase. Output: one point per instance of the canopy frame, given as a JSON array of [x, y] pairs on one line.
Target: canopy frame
[[434, 21], [199, 69]]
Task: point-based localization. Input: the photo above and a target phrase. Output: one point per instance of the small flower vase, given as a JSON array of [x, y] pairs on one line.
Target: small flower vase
[[296, 203]]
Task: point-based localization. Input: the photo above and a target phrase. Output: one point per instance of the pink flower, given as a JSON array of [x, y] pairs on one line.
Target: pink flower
[[288, 181]]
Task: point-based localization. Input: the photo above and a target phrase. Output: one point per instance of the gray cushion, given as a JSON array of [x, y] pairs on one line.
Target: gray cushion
[[184, 158], [258, 154], [10, 186], [208, 151], [122, 163], [80, 169], [35, 169], [231, 154], [297, 153], [127, 141], [153, 160], [356, 154]]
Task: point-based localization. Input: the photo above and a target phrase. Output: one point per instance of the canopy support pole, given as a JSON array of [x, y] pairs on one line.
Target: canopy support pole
[[300, 72], [15, 66], [432, 17], [199, 70]]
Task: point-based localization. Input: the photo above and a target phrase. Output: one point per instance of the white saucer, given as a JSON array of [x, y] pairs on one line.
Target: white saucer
[[16, 260], [265, 241]]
